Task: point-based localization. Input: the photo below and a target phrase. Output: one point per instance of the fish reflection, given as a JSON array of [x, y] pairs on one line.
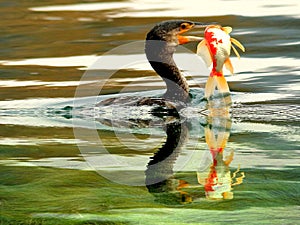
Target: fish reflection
[[213, 174], [216, 177]]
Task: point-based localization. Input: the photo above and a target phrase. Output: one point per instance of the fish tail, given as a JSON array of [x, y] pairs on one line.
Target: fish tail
[[220, 81], [222, 84], [224, 89], [217, 79], [213, 82], [210, 87]]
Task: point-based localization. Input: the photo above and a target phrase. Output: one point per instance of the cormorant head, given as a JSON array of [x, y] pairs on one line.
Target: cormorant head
[[171, 31], [161, 43]]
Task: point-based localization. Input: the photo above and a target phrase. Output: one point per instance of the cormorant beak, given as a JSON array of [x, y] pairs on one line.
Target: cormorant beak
[[198, 25], [187, 39]]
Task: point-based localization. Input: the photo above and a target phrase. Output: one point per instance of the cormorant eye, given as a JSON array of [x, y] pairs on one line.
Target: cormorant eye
[[183, 26]]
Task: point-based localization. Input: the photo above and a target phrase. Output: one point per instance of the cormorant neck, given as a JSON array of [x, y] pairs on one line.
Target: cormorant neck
[[160, 56]]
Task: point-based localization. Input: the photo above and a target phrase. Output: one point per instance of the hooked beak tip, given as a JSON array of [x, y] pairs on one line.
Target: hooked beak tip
[[203, 25]]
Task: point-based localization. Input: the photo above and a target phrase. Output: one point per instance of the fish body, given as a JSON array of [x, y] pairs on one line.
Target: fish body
[[219, 45], [215, 49]]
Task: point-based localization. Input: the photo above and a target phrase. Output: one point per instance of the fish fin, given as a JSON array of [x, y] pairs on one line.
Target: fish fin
[[227, 30], [210, 86], [236, 52], [203, 51], [222, 84], [229, 66], [222, 139], [238, 44], [210, 138]]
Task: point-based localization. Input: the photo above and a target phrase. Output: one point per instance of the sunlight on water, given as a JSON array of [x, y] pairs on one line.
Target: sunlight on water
[[17, 83], [32, 103], [62, 163], [191, 8], [139, 62], [36, 141], [84, 7], [57, 62]]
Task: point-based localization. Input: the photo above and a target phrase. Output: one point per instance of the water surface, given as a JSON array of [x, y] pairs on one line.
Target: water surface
[[58, 167]]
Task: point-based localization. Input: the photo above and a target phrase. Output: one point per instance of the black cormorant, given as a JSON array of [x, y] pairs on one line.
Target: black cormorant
[[161, 43]]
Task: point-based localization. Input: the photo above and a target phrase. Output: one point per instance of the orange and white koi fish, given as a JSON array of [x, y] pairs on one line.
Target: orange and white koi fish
[[215, 49]]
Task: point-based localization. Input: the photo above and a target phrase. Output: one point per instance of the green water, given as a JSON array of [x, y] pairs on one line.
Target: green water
[[54, 165], [66, 196]]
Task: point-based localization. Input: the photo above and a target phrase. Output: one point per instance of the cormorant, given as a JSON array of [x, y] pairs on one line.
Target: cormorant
[[161, 43]]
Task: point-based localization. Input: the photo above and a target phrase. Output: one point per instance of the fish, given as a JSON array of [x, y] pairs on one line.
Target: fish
[[215, 49]]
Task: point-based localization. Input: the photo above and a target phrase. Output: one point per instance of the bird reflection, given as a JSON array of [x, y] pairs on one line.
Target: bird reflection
[[160, 179], [213, 178], [214, 175]]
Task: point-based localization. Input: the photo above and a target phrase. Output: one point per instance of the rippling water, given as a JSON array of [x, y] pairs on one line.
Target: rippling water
[[67, 162]]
